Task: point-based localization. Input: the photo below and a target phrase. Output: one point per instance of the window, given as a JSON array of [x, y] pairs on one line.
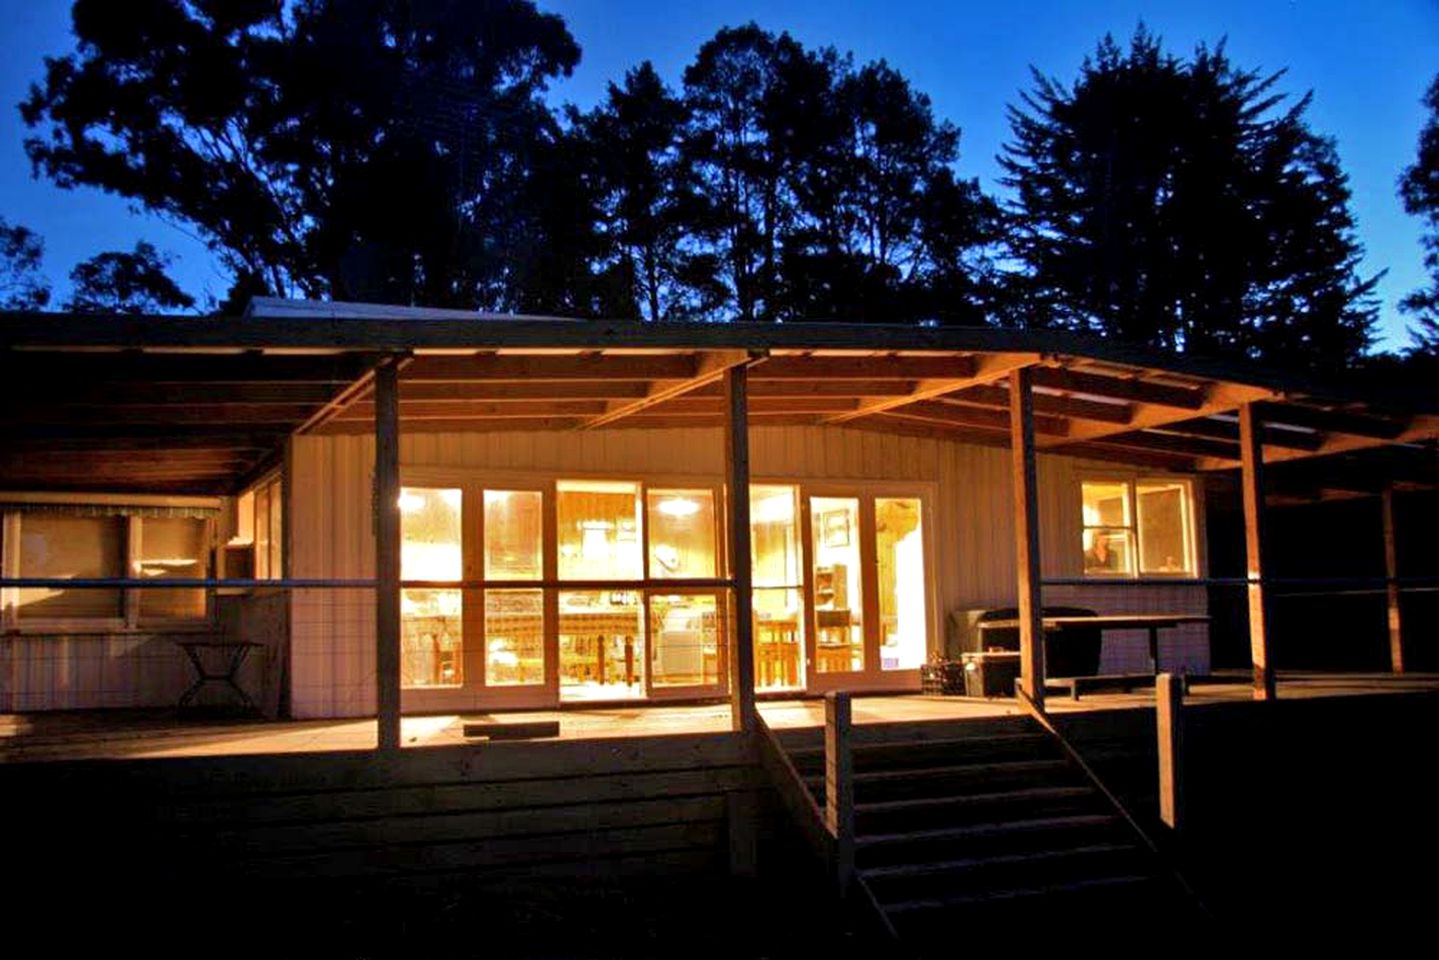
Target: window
[[85, 542], [70, 547], [431, 620], [257, 548], [1138, 527]]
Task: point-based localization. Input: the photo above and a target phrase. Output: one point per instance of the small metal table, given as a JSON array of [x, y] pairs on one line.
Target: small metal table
[[231, 655]]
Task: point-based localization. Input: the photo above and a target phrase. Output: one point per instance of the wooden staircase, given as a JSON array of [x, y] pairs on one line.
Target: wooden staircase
[[981, 832]]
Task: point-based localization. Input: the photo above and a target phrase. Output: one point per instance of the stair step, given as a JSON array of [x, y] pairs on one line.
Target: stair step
[[974, 799], [919, 870], [1019, 893], [990, 829], [872, 756]]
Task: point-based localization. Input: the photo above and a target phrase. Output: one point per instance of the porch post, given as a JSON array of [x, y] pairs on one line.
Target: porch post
[[387, 552], [1251, 451], [1026, 534], [741, 658], [1391, 589]]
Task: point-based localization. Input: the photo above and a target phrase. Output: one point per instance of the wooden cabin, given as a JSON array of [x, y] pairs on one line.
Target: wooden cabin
[[558, 521]]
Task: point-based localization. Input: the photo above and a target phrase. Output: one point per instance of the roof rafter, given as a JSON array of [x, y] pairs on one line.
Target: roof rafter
[[710, 368], [979, 370]]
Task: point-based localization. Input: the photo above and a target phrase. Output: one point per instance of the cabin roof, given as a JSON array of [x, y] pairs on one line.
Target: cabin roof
[[167, 404]]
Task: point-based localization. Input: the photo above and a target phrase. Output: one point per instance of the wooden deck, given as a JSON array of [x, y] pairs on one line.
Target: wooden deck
[[141, 734]]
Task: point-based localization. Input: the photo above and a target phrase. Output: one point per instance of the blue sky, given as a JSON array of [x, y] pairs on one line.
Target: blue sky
[[1367, 63]]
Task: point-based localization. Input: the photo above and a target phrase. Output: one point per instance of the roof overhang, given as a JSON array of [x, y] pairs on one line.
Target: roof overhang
[[201, 405]]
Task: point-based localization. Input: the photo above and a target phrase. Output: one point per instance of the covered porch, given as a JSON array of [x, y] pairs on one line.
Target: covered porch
[[340, 428]]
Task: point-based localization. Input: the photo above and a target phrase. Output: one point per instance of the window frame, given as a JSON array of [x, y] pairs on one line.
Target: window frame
[[1131, 483]]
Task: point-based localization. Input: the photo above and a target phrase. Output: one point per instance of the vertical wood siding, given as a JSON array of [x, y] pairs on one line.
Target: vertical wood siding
[[332, 653]]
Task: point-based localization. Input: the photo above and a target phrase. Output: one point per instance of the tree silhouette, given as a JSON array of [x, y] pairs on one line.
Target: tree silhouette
[[121, 282], [22, 286], [1180, 203], [346, 148], [1419, 189]]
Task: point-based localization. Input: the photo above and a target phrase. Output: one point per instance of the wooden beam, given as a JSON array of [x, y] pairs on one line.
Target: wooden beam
[[758, 406], [990, 395], [1229, 430], [863, 368], [167, 414], [66, 390], [387, 553], [977, 370], [1183, 444], [710, 369], [522, 368], [1391, 591], [1026, 534], [131, 366], [501, 391], [1252, 481], [1127, 389], [942, 411], [480, 409], [1332, 421], [743, 717], [1218, 398], [454, 425], [1420, 429]]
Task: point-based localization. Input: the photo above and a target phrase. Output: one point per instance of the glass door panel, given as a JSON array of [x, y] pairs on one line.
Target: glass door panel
[[514, 619], [903, 610], [602, 649], [838, 600], [599, 530], [688, 635], [682, 533], [431, 634], [778, 594]]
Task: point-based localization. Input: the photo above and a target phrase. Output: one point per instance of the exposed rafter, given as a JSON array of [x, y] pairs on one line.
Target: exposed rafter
[[710, 368], [980, 370]]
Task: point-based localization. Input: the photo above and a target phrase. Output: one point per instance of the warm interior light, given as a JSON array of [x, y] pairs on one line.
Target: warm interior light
[[777, 508], [678, 507], [411, 502]]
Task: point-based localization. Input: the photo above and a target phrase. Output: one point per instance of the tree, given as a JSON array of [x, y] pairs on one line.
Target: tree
[[346, 148], [1177, 203], [650, 201], [22, 286], [120, 282], [1419, 189], [830, 189]]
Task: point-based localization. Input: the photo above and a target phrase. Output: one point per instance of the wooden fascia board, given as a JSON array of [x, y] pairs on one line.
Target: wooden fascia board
[[710, 368], [982, 369]]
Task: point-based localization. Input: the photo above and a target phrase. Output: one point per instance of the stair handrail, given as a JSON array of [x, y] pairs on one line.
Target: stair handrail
[[1043, 718], [810, 817], [794, 794]]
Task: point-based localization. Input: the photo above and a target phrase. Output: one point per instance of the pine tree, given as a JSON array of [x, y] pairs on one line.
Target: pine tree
[[1181, 204], [1419, 189]]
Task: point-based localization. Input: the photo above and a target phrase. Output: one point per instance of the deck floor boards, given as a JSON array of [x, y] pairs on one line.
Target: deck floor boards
[[137, 734]]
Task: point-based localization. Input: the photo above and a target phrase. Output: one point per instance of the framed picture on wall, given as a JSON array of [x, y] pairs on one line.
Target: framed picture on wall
[[834, 528]]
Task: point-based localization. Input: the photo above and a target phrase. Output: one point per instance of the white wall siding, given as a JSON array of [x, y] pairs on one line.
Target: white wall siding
[[333, 662]]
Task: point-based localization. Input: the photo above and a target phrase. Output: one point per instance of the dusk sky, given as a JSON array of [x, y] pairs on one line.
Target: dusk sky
[[1368, 64]]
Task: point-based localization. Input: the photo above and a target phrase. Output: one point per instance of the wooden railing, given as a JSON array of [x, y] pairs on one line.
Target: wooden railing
[[1044, 720], [829, 830]]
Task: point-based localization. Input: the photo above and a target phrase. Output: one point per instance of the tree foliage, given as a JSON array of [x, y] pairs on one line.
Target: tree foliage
[[1419, 189], [1184, 204], [345, 148], [22, 285], [126, 282]]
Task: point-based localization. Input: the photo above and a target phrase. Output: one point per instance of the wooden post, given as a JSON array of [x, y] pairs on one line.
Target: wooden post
[[1251, 451], [387, 553], [1026, 534], [1169, 724], [839, 784], [741, 658], [1391, 571]]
